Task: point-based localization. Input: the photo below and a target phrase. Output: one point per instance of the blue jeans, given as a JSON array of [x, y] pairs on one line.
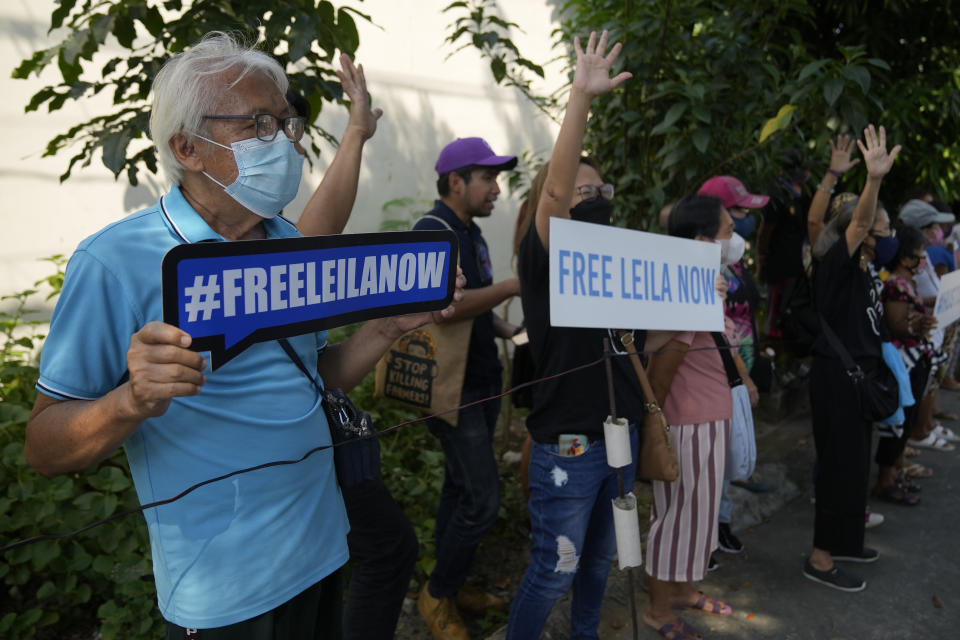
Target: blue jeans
[[571, 520], [470, 498]]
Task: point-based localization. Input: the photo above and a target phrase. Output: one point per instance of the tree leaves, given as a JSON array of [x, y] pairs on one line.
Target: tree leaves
[[481, 28], [304, 33], [832, 89], [705, 83], [777, 123], [673, 114]]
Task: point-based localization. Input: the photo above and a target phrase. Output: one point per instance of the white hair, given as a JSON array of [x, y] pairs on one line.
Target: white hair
[[186, 89]]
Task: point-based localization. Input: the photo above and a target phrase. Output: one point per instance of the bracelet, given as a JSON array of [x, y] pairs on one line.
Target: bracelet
[[836, 174], [824, 189]]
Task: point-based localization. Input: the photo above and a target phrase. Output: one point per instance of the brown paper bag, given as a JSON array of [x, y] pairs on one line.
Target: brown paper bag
[[424, 369]]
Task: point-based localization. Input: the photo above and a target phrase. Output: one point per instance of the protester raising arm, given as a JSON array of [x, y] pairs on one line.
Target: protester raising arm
[[590, 79], [329, 208], [840, 163], [879, 163]]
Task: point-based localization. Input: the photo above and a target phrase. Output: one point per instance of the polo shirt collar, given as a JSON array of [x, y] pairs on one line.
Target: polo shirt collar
[[448, 214], [190, 227]]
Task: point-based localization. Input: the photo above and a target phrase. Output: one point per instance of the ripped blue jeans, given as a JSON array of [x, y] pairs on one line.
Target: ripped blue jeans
[[571, 520]]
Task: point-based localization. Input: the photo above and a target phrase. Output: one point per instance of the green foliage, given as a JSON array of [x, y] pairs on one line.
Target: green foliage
[[713, 92], [399, 214], [722, 87], [57, 588], [918, 82], [304, 35], [483, 29]]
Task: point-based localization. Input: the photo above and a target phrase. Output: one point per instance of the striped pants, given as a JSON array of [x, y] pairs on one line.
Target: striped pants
[[683, 529]]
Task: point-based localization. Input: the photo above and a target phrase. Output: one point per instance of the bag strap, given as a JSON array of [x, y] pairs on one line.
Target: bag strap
[[626, 339], [651, 406], [428, 216], [837, 346], [292, 353], [723, 346]]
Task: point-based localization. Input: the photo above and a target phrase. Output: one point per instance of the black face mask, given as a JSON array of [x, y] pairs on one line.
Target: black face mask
[[596, 210]]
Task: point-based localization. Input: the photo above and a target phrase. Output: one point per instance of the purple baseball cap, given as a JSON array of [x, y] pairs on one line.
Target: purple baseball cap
[[463, 152]]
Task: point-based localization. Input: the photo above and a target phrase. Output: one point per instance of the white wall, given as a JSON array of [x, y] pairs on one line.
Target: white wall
[[427, 99]]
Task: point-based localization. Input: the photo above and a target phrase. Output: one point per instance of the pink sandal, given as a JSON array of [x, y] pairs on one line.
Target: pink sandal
[[711, 606]]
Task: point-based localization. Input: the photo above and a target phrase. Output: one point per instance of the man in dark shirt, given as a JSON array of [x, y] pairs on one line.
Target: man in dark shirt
[[467, 171]]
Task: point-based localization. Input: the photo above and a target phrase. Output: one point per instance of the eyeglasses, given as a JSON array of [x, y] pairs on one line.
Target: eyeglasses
[[591, 191], [268, 125]]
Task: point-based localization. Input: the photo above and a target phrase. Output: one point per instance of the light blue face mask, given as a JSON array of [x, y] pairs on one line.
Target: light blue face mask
[[268, 174]]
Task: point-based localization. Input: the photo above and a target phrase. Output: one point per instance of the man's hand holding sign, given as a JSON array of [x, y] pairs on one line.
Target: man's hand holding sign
[[163, 361]]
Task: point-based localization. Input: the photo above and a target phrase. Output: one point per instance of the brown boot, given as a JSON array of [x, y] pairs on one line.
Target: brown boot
[[477, 601], [442, 616]]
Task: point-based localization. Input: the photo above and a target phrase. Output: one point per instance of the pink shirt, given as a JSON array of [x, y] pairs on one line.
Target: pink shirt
[[700, 391]]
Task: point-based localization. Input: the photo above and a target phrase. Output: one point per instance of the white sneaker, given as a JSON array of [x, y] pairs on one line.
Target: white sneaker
[[873, 520], [946, 433]]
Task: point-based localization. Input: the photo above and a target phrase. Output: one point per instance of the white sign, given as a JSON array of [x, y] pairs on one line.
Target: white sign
[[602, 276], [947, 308]]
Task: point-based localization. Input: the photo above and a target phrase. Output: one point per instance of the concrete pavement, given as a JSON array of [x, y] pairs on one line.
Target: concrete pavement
[[913, 590]]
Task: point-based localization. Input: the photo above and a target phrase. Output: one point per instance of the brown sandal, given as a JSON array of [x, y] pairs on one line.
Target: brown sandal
[[896, 494], [917, 470]]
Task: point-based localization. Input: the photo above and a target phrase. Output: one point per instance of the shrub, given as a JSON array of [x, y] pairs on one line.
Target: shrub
[[100, 581]]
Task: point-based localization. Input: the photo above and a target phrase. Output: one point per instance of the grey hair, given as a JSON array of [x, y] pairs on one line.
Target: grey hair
[[837, 225], [186, 88]]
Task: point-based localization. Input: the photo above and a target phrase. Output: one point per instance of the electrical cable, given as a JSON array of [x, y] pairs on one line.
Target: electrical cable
[[277, 463]]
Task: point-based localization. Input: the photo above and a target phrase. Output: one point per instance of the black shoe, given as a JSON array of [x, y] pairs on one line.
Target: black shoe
[[713, 565], [729, 543], [837, 578], [867, 555]]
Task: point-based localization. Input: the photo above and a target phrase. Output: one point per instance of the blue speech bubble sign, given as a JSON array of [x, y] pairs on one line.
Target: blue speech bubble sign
[[230, 295]]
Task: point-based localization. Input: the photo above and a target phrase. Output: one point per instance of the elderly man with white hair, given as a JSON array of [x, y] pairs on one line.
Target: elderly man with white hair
[[256, 556]]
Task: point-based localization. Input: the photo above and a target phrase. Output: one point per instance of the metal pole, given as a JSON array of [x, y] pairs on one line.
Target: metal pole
[[613, 414]]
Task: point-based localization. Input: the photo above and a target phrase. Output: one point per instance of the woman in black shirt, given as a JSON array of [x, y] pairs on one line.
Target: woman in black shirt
[[848, 301]]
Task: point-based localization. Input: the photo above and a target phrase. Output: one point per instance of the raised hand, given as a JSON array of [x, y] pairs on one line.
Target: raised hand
[[840, 149], [874, 152], [592, 73], [362, 117]]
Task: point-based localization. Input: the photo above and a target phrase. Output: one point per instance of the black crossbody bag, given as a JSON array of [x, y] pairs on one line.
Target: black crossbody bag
[[877, 390], [356, 453]]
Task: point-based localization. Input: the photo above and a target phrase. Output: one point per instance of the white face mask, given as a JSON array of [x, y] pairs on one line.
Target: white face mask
[[731, 249], [268, 174]]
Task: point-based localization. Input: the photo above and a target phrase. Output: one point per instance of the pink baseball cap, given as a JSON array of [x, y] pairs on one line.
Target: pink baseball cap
[[732, 192]]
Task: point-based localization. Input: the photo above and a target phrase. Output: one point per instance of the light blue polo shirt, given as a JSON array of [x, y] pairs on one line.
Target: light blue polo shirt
[[233, 549]]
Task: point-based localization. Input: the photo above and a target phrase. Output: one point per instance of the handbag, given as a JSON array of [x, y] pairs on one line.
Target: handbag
[[356, 452], [424, 369], [877, 390], [742, 446], [658, 458]]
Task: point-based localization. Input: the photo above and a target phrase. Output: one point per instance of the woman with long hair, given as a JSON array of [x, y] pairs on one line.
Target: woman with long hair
[[571, 484]]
